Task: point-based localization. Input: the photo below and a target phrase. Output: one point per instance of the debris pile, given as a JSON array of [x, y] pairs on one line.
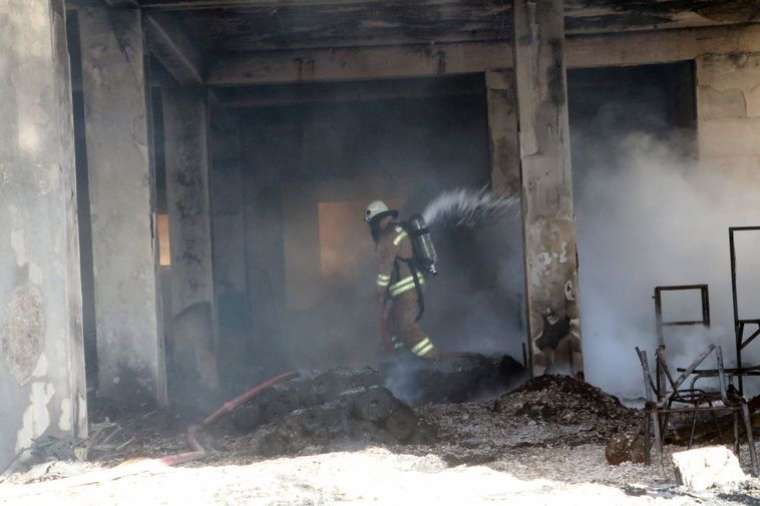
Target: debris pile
[[548, 411], [360, 406], [302, 393], [330, 410], [357, 417], [563, 400]]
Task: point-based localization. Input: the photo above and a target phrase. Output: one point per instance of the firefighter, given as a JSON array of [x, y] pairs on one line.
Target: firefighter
[[399, 282]]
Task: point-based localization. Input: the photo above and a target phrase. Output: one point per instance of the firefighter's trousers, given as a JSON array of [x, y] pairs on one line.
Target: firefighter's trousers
[[404, 329]]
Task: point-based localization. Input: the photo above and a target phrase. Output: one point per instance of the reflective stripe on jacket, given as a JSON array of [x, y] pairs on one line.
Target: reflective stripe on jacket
[[405, 284]]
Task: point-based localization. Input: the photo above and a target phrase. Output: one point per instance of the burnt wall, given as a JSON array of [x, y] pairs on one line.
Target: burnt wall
[[42, 377]]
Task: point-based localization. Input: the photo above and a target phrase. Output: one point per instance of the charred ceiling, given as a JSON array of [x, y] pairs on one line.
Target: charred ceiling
[[214, 29], [234, 26], [264, 28]]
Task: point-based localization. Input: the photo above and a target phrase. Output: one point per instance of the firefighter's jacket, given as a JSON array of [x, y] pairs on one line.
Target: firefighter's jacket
[[396, 281]]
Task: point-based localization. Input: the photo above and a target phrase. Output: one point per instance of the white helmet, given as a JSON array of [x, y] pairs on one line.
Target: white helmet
[[377, 208]]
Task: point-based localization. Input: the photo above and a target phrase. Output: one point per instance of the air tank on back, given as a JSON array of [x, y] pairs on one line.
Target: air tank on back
[[422, 243]]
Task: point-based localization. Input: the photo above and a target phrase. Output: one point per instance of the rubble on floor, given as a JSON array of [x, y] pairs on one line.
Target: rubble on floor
[[543, 439], [567, 401], [362, 406], [548, 411], [627, 447], [358, 417]]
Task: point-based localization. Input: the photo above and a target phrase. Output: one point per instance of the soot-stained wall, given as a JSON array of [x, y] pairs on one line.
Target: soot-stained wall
[[42, 379]]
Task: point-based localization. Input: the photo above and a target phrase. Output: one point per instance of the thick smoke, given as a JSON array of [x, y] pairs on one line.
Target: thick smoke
[[322, 165], [647, 216]]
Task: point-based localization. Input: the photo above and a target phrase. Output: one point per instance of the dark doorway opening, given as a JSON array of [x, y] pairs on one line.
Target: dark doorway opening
[[309, 158]]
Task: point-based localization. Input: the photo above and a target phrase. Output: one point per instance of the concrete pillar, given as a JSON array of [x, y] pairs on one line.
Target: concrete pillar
[[550, 245], [42, 378], [187, 195], [228, 225], [502, 125], [130, 341]]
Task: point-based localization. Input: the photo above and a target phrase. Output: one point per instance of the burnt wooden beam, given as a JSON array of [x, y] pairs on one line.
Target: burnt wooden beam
[[122, 3], [381, 62], [266, 96], [357, 63], [73, 5], [170, 44], [237, 4]]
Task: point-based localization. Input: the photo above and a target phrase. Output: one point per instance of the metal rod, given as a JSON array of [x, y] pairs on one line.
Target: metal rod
[[738, 327], [673, 288], [660, 333], [721, 374], [689, 370], [750, 439], [686, 323], [647, 375], [751, 338]]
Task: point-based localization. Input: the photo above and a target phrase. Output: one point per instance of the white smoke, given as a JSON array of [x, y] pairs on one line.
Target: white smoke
[[464, 207], [647, 217]]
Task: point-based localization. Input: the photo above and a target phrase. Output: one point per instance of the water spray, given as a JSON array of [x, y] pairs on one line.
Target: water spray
[[464, 207]]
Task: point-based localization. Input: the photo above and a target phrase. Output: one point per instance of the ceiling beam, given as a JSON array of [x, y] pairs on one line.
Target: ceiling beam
[[170, 44], [347, 64], [236, 4], [122, 3], [73, 5], [266, 96], [395, 62]]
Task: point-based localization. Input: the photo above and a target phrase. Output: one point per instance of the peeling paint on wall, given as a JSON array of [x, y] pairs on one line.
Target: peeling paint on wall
[[21, 342], [36, 418], [41, 360], [18, 242], [42, 367], [64, 420]]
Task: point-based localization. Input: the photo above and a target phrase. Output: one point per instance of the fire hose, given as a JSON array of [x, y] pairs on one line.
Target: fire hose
[[197, 450], [151, 465]]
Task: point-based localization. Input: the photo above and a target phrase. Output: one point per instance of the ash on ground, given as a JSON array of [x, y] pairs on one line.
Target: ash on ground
[[300, 441]]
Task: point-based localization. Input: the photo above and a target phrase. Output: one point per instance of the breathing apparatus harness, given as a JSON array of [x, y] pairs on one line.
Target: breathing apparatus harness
[[424, 256]]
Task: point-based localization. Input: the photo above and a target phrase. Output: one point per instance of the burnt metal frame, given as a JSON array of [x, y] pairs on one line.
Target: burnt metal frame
[[739, 323], [660, 324], [660, 401]]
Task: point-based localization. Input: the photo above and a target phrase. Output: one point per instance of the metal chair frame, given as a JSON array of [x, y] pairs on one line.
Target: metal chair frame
[[741, 323], [661, 324], [664, 401]]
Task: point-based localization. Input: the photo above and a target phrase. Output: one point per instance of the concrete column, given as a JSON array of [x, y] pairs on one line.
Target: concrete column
[[502, 125], [550, 244], [187, 196], [228, 209], [42, 378], [228, 225], [130, 345]]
